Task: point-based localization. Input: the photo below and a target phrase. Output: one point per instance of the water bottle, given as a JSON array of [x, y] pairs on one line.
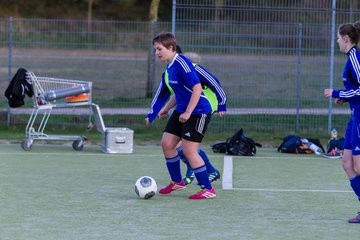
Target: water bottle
[[313, 147], [333, 134]]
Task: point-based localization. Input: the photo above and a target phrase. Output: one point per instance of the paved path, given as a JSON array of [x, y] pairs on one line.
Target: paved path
[[144, 111]]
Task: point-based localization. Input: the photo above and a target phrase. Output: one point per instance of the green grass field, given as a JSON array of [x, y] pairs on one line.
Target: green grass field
[[54, 192]]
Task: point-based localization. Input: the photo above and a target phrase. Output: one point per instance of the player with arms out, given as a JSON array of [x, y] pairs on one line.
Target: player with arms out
[[348, 37], [189, 121]]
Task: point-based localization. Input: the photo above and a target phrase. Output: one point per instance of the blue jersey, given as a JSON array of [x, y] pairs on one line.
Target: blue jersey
[[207, 80], [182, 79], [351, 80]]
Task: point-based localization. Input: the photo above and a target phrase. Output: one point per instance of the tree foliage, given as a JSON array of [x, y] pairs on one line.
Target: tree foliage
[[127, 10]]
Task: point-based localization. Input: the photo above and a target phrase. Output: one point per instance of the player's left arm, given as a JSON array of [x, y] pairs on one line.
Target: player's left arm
[[209, 80], [170, 104]]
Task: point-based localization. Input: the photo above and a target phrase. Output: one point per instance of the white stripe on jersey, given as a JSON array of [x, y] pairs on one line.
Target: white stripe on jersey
[[355, 63], [213, 82], [202, 95], [188, 89], [183, 63], [155, 98], [350, 93]]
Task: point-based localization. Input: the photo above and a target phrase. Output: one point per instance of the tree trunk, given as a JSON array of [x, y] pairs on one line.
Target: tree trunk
[[153, 14], [354, 6], [89, 13]]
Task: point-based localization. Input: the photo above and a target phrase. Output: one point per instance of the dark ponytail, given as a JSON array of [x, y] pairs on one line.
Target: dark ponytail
[[352, 30], [357, 27]]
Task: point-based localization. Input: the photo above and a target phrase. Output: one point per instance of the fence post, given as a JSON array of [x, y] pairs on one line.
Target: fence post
[[298, 79], [9, 64], [332, 37], [173, 17]]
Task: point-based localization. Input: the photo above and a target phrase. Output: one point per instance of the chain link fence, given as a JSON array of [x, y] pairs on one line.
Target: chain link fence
[[273, 58]]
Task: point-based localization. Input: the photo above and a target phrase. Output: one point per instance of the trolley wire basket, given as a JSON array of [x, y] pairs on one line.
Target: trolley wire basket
[[50, 93]]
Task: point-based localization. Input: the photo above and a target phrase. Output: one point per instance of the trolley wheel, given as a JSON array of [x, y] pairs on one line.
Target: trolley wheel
[[78, 145], [26, 145]]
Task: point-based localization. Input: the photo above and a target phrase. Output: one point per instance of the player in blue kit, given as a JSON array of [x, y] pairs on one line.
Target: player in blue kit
[[348, 37], [215, 94], [188, 123]]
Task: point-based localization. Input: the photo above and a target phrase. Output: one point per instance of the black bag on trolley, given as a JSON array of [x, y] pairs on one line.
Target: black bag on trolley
[[18, 87]]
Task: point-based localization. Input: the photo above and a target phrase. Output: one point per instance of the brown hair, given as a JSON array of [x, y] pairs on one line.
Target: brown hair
[[167, 39], [352, 30]]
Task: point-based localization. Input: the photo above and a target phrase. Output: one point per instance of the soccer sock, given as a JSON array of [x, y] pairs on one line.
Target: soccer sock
[[202, 177], [182, 157], [173, 166], [355, 184], [189, 170], [210, 168]]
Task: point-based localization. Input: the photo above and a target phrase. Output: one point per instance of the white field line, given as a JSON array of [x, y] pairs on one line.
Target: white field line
[[292, 190], [227, 182], [227, 179], [73, 152]]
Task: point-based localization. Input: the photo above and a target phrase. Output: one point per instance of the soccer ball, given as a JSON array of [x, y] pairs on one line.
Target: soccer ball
[[145, 187]]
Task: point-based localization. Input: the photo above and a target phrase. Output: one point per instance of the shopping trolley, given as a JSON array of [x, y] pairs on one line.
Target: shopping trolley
[[50, 93]]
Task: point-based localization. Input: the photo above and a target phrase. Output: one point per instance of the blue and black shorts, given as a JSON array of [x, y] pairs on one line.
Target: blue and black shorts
[[352, 136], [192, 130]]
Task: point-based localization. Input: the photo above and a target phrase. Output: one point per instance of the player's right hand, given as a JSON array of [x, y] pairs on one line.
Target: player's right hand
[[339, 101], [147, 121], [163, 114], [221, 113]]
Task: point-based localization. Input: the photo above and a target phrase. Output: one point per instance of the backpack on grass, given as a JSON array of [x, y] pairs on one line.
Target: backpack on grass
[[219, 147], [239, 144], [335, 144], [296, 144]]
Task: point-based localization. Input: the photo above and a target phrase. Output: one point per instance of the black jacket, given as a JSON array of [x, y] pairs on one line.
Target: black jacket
[[18, 87]]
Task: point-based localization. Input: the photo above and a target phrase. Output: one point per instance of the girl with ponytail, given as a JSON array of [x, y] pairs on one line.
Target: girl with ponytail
[[348, 37]]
